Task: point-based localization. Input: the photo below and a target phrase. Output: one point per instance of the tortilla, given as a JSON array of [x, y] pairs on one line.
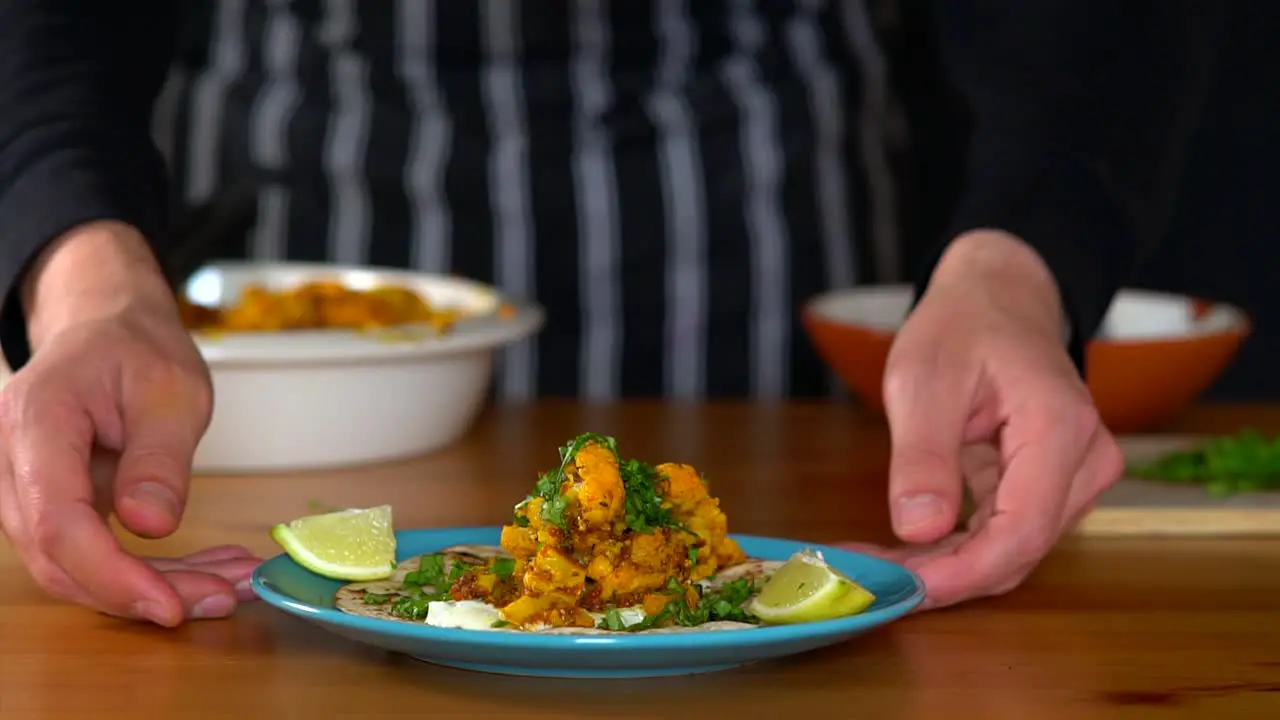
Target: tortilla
[[350, 598]]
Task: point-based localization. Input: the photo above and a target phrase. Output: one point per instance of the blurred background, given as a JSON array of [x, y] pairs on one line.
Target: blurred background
[[1220, 245], [1223, 242]]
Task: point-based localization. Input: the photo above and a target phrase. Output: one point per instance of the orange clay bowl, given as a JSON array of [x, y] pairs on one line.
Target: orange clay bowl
[[1154, 354]]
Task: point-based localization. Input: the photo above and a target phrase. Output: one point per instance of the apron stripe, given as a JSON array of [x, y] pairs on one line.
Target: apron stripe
[[827, 106], [508, 181], [596, 190], [346, 146], [209, 97], [468, 190], [801, 123], [167, 116], [416, 28], [684, 204], [642, 236], [269, 127], [874, 110], [390, 136], [553, 204], [761, 148]]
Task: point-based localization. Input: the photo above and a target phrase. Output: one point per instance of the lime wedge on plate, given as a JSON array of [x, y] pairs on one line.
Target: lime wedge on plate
[[353, 545], [807, 589]]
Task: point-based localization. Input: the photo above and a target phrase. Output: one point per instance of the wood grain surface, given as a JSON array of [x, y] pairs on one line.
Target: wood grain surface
[[1106, 628]]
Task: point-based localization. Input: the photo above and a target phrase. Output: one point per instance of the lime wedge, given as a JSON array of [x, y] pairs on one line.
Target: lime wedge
[[352, 545], [807, 589]]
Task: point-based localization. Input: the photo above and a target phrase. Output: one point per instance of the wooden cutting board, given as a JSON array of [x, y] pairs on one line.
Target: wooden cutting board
[[1134, 507]]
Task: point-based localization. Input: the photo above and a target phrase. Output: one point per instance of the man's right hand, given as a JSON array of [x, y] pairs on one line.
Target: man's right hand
[[105, 419]]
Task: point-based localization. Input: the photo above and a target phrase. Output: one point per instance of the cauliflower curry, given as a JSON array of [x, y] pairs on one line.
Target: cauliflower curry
[[317, 305], [600, 532], [601, 542]]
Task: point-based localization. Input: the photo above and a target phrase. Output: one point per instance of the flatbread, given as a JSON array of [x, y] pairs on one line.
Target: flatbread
[[350, 598]]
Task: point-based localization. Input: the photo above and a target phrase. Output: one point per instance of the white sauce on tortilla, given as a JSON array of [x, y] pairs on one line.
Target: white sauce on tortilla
[[463, 614]]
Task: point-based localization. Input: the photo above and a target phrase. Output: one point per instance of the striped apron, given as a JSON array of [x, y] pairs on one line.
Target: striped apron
[[670, 179]]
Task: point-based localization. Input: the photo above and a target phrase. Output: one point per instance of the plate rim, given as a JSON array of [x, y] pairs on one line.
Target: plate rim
[[710, 640]]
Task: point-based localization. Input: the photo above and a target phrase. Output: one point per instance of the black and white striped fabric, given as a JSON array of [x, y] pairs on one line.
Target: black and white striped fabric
[[671, 179]]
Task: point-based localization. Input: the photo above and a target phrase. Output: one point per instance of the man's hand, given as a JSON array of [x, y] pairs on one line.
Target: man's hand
[[979, 391], [114, 383]]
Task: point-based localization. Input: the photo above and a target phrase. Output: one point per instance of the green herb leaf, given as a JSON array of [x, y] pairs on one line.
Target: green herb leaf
[[613, 620], [411, 607], [723, 604], [499, 624], [503, 567], [551, 483], [644, 510], [553, 511], [1245, 462], [430, 573]]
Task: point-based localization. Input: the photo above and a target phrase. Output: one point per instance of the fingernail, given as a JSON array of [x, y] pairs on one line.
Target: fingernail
[[214, 606], [244, 587], [917, 510], [157, 496], [150, 610]]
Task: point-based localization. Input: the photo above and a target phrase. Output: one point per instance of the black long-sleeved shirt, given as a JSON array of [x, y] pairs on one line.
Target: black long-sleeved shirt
[[1082, 109]]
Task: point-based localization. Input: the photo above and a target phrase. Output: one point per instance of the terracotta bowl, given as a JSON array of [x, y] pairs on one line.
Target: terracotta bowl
[[1154, 354]]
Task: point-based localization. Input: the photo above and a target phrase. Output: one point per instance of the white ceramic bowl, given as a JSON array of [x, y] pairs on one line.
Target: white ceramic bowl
[[304, 400]]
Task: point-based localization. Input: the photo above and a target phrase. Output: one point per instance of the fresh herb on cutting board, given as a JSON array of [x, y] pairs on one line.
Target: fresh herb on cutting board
[[1245, 462]]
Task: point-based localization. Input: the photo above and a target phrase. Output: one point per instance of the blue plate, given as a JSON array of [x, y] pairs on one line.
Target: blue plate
[[284, 584]]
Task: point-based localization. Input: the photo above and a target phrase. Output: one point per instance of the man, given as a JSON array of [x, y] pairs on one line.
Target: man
[[570, 132]]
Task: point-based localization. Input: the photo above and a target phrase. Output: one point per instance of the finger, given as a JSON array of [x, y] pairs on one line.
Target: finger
[[233, 571], [1102, 467], [11, 523], [163, 420], [927, 405], [209, 555], [911, 557], [205, 596], [980, 465], [49, 447], [220, 552], [897, 555], [1043, 454]]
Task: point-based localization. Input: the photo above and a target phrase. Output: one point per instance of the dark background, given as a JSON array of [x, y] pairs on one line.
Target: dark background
[[1223, 242]]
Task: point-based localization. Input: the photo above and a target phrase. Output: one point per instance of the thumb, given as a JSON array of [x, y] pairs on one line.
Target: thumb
[[154, 472], [927, 406]]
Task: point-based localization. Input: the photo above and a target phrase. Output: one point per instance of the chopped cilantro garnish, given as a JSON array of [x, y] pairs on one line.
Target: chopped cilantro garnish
[[430, 573], [456, 572], [413, 607], [503, 566], [693, 557], [645, 508], [645, 511], [499, 624], [548, 486], [554, 503], [722, 604], [613, 620], [429, 583], [553, 510]]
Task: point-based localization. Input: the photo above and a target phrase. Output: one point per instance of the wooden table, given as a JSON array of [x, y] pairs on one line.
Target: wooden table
[[1105, 629]]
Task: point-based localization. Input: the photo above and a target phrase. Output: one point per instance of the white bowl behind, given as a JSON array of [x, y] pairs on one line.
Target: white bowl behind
[[320, 399]]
